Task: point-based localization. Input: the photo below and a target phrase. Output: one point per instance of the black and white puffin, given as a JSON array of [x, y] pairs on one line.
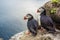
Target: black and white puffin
[[32, 24], [46, 21]]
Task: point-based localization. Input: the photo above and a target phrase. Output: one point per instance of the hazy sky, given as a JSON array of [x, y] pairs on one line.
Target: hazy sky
[[16, 9]]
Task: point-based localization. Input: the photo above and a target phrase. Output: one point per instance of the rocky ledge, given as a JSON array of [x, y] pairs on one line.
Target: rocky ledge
[[40, 36]]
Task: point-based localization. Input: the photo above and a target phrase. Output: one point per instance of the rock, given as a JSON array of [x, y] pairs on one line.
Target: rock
[[56, 15], [1, 38], [45, 36]]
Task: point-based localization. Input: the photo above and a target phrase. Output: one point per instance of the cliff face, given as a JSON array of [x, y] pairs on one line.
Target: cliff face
[[56, 15], [53, 10], [40, 36]]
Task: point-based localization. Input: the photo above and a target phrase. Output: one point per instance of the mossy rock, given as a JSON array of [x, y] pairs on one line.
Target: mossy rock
[[53, 11], [49, 6]]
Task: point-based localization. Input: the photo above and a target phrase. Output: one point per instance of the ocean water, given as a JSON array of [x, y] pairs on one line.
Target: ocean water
[[8, 29]]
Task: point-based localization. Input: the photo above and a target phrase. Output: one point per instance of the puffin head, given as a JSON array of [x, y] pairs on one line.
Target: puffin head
[[28, 16], [41, 11]]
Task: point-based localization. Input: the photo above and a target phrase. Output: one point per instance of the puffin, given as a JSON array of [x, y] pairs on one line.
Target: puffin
[[32, 24], [46, 21]]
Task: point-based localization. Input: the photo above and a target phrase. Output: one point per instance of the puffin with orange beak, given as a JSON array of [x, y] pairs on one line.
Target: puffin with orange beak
[[32, 24], [46, 21]]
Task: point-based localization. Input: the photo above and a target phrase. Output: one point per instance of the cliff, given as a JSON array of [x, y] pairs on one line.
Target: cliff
[[53, 10], [40, 36]]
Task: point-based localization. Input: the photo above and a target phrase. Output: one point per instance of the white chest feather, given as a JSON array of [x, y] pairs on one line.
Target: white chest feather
[[38, 19]]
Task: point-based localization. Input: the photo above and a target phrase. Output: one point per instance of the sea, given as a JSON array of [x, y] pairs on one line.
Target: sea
[[10, 28]]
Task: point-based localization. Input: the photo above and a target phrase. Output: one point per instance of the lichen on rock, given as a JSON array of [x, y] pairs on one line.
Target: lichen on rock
[[53, 10]]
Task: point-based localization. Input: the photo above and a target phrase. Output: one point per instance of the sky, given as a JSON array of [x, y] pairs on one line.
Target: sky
[[15, 10]]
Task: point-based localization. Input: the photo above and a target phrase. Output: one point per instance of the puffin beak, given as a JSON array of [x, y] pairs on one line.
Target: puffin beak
[[25, 17], [38, 11]]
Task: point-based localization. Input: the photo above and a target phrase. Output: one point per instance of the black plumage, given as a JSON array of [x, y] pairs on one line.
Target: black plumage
[[32, 25], [47, 22]]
